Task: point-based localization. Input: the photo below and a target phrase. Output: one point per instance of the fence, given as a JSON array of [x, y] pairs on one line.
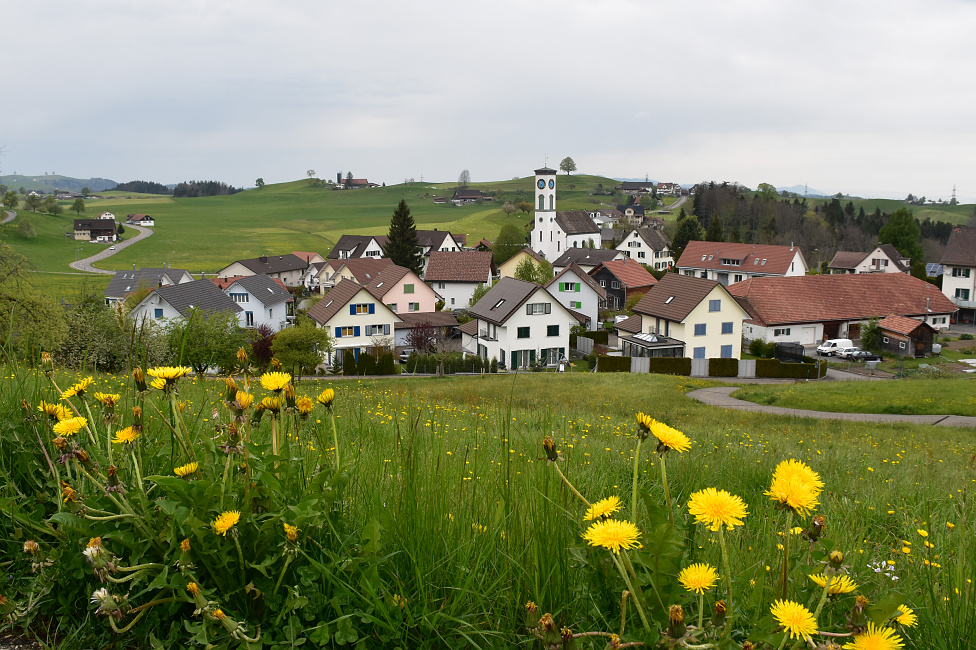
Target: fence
[[584, 344]]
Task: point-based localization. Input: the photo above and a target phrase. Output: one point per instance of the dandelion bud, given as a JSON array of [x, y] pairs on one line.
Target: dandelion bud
[[549, 445], [836, 559], [275, 364], [47, 363], [139, 377], [643, 426], [242, 355], [257, 414], [61, 443], [105, 601], [549, 631], [231, 393], [856, 619], [68, 493], [185, 545], [531, 615], [569, 641], [614, 642], [290, 396], [192, 589], [31, 547], [291, 533], [326, 397], [748, 645], [818, 524], [233, 435], [718, 618], [304, 405], [114, 485], [676, 622]]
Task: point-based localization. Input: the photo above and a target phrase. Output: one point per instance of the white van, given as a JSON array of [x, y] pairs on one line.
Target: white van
[[831, 347]]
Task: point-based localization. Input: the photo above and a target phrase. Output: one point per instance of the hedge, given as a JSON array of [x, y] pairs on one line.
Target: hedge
[[776, 369], [723, 367], [453, 363], [670, 366], [367, 364], [613, 364], [600, 336]]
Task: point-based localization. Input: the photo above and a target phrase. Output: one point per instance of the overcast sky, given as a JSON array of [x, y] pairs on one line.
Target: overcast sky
[[869, 98]]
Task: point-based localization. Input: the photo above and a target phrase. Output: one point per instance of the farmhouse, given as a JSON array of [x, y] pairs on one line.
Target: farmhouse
[[959, 271], [812, 308], [456, 275], [729, 263], [95, 230], [465, 196], [124, 283], [885, 258], [140, 220]]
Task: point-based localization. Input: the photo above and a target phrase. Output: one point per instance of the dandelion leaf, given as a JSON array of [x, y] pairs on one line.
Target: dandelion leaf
[[886, 607]]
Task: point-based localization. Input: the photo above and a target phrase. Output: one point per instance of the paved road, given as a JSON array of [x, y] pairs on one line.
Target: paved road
[[720, 396], [86, 264], [11, 215]]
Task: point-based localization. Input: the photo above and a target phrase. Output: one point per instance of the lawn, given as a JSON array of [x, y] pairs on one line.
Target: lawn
[[955, 396]]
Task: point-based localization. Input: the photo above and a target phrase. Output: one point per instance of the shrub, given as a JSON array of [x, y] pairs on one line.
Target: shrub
[[599, 336], [670, 366], [965, 337], [494, 365], [348, 363], [723, 367], [613, 364], [760, 348], [773, 368]]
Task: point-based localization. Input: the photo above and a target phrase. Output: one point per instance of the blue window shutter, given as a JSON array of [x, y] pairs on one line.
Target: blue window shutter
[[338, 332], [372, 308], [356, 330], [352, 310]]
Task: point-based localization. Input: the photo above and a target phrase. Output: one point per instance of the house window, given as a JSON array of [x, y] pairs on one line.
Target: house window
[[270, 312], [538, 308], [960, 273], [783, 331], [346, 331], [372, 253], [239, 297], [727, 328], [575, 304], [962, 294], [392, 307], [699, 353], [440, 285], [700, 329], [158, 313], [738, 278], [901, 345], [726, 352], [523, 332], [714, 305], [377, 330], [884, 339], [249, 319], [603, 283], [414, 306], [569, 286], [552, 330], [614, 284], [362, 308], [408, 288], [641, 254], [704, 275]]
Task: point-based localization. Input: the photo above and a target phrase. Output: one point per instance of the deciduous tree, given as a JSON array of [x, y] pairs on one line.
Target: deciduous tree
[[206, 339], [464, 178], [903, 233], [401, 246], [32, 202], [301, 348], [10, 200], [508, 208], [259, 183], [510, 240], [78, 206], [51, 206], [567, 165]]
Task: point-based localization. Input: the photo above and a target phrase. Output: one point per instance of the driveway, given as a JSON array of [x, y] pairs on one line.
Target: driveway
[[86, 264]]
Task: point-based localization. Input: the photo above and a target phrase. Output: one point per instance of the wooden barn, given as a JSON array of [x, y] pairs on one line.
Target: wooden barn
[[906, 337]]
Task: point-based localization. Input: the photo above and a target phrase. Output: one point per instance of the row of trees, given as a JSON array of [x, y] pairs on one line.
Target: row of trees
[[194, 189], [143, 187]]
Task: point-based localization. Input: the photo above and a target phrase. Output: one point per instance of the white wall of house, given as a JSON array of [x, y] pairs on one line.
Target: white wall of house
[[959, 285], [255, 312], [540, 338], [456, 295], [153, 308], [634, 247], [803, 333], [706, 332], [583, 240], [234, 269], [410, 294], [580, 297], [877, 262], [360, 330]]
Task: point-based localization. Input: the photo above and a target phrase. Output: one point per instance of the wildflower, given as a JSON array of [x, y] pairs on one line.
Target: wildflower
[[70, 427], [836, 559], [531, 615], [613, 535], [669, 438], [31, 547], [304, 405], [158, 383], [114, 484], [875, 638], [78, 389], [275, 364], [106, 603], [643, 425], [225, 521], [56, 412], [838, 584], [137, 418], [68, 493], [47, 363], [698, 578], [241, 355], [923, 533], [676, 622], [291, 533], [272, 404], [552, 455], [795, 619], [857, 619], [603, 509], [717, 508], [289, 394], [192, 589], [243, 400], [326, 397], [399, 601], [186, 470], [906, 616], [139, 377], [108, 400], [818, 524], [795, 486], [950, 525], [185, 545], [718, 618], [126, 436], [275, 381], [169, 373], [219, 614]]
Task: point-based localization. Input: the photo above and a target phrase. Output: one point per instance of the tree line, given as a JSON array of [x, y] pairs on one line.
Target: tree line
[[143, 187], [193, 189]]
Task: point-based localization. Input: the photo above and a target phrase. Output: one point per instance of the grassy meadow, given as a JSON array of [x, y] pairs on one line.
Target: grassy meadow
[[449, 519]]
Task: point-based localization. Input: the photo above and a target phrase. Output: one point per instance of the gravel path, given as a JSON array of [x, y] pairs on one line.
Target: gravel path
[[11, 215], [86, 264]]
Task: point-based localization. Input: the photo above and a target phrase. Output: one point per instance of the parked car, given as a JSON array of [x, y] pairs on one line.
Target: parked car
[[865, 355], [845, 353], [830, 347], [111, 248], [405, 354]]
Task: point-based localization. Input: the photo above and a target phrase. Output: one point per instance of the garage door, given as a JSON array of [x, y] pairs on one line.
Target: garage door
[[807, 335]]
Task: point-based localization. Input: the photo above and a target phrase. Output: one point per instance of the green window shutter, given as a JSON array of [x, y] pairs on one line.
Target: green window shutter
[[408, 288], [562, 286]]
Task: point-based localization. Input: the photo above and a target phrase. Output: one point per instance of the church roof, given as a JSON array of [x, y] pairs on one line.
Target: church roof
[[576, 222]]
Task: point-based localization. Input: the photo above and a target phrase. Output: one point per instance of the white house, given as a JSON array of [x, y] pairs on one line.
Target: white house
[[885, 258], [728, 263], [456, 275], [288, 268], [353, 246], [648, 246], [107, 215], [520, 324], [176, 300], [125, 283], [262, 301], [437, 240], [554, 232], [578, 291], [700, 313], [140, 220], [959, 271], [356, 319]]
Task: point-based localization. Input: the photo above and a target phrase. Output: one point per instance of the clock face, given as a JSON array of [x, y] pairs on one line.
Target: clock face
[[542, 184], [552, 183]]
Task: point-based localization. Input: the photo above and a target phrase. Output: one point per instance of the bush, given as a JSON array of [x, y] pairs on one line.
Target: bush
[[348, 363], [386, 364], [670, 366], [601, 337], [591, 359], [494, 365], [760, 348], [613, 364], [773, 368], [965, 337], [366, 365], [723, 367]]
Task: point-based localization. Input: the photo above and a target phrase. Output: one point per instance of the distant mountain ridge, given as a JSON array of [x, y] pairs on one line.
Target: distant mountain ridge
[[803, 189], [52, 182]]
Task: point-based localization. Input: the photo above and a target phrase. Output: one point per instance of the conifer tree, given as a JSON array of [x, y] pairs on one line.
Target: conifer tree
[[401, 246]]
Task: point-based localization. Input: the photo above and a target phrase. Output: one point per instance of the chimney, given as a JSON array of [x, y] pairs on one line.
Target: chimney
[[791, 246], [928, 304]]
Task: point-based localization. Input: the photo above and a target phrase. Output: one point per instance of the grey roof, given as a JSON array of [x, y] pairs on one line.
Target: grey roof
[[266, 290], [654, 238], [545, 170], [586, 256], [274, 263], [501, 301], [355, 243], [961, 248], [125, 282], [585, 277], [435, 318], [199, 294], [576, 222], [675, 296]]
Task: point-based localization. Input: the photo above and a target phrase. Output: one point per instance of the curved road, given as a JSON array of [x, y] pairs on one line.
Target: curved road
[[720, 396], [11, 215], [86, 264]]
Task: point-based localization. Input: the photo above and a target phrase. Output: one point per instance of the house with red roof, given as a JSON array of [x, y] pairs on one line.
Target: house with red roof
[[728, 263], [959, 271], [621, 279], [355, 318], [455, 275], [813, 308]]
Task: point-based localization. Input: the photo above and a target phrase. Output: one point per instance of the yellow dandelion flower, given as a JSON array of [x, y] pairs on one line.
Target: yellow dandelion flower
[[225, 521], [838, 584], [326, 397], [698, 578], [272, 404], [78, 389], [275, 381], [158, 383], [304, 405], [70, 427], [185, 470], [192, 589], [795, 619], [219, 614], [669, 438], [613, 535], [169, 373], [54, 411], [126, 436], [795, 486], [291, 533], [244, 399], [185, 545], [906, 616], [108, 400], [876, 637], [603, 508], [923, 533], [717, 508]]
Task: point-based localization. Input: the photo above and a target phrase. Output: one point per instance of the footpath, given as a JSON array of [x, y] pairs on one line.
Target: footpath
[[720, 396]]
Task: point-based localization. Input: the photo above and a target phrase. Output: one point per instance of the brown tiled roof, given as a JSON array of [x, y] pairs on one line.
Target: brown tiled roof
[[709, 255], [632, 324], [630, 272], [365, 269], [470, 328], [587, 256], [581, 317], [435, 318], [337, 298], [818, 298], [654, 238], [900, 260], [961, 248], [386, 280], [900, 324], [305, 255], [501, 301], [846, 259], [582, 275], [576, 222], [675, 296], [460, 266]]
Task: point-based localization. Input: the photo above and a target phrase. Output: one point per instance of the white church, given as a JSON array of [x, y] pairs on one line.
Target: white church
[[553, 232]]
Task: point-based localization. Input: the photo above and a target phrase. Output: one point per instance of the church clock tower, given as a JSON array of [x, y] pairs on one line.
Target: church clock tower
[[546, 232]]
